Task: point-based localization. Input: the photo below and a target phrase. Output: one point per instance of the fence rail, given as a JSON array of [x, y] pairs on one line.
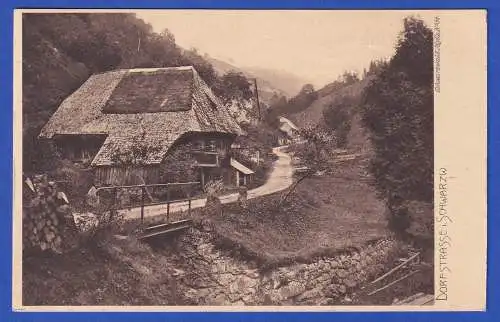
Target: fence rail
[[143, 188]]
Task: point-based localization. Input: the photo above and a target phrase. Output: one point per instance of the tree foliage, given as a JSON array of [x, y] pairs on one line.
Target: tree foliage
[[234, 86], [337, 117], [398, 112], [296, 104], [315, 153], [348, 78]]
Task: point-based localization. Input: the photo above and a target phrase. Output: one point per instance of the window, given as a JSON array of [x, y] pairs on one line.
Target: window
[[199, 145], [212, 145]]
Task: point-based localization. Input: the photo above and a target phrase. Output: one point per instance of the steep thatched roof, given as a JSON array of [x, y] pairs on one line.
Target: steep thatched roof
[[157, 105]]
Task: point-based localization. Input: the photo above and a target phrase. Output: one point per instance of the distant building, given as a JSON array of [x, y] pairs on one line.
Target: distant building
[[288, 132], [148, 113]]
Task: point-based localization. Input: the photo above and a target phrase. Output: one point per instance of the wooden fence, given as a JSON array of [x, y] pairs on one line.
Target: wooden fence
[[145, 192]]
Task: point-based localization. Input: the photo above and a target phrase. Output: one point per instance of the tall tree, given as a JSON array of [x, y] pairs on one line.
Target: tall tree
[[234, 86], [398, 112]]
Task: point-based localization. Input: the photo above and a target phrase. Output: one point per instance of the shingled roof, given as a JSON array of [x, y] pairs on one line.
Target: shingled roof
[[157, 104]]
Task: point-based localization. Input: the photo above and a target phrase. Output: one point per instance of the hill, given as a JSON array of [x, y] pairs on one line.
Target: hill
[[329, 95], [283, 80], [270, 82]]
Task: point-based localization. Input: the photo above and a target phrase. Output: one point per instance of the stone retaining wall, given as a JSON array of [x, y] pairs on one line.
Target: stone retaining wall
[[210, 277]]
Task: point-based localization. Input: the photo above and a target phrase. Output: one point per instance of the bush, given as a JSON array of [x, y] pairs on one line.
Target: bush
[[337, 117]]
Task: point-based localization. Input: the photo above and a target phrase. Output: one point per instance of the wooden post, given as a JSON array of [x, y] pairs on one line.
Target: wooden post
[[114, 206], [257, 97], [142, 204], [115, 199], [168, 204], [189, 203]]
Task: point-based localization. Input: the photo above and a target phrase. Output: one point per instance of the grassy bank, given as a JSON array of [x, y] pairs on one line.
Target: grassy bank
[[325, 215], [111, 272]]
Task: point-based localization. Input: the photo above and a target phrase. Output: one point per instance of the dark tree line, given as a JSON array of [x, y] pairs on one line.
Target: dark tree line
[[60, 51], [397, 110]]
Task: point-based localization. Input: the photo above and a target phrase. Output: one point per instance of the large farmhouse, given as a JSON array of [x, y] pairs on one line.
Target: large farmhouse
[[128, 122]]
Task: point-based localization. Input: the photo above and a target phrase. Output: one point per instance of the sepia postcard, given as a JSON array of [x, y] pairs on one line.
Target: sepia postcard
[[249, 160]]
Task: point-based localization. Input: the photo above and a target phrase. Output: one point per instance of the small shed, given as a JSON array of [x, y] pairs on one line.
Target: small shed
[[242, 175]]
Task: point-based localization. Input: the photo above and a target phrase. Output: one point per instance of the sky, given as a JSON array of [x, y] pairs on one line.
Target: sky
[[317, 46]]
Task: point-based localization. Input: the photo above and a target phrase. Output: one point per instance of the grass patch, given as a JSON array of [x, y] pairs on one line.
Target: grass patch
[[324, 216], [111, 272]]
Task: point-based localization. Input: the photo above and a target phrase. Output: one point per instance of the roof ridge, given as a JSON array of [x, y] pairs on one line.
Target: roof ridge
[[147, 69]]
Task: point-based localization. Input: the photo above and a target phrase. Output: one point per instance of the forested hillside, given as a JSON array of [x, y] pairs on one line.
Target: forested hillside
[[336, 102], [267, 89], [61, 51]]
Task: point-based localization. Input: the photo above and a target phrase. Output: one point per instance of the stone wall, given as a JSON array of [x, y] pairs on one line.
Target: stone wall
[[208, 276]]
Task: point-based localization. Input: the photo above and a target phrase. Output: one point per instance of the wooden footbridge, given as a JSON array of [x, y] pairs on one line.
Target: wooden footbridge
[[168, 225]]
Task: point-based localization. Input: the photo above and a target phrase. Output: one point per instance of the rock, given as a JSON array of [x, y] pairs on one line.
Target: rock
[[252, 273], [178, 272], [234, 297], [276, 282], [350, 282], [342, 273], [219, 299], [291, 290], [289, 273], [238, 303], [225, 279], [311, 294], [202, 293], [322, 301], [334, 264], [242, 285], [322, 278], [248, 299], [204, 249], [332, 290], [199, 282]]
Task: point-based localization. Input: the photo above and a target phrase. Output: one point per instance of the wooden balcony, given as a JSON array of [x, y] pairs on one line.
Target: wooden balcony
[[206, 158]]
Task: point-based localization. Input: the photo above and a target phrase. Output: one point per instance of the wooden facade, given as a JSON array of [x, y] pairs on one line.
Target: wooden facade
[[79, 148], [116, 175], [211, 152]]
